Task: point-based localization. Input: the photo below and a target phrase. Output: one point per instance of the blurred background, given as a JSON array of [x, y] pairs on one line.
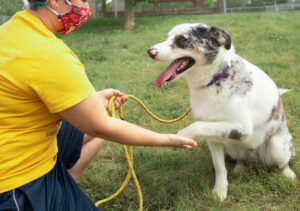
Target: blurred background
[[117, 8]]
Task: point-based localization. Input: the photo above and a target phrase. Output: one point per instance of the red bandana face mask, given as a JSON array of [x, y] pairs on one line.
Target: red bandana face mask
[[72, 19]]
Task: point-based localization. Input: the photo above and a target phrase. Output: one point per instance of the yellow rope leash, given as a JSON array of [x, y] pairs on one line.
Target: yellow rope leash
[[128, 152]]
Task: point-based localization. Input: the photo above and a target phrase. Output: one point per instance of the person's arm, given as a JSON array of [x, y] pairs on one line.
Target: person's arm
[[90, 116]]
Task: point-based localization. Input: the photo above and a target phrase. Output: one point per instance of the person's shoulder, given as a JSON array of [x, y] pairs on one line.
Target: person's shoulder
[[30, 37]]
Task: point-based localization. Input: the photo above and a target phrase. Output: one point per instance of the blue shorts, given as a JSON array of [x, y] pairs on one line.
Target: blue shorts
[[55, 191]]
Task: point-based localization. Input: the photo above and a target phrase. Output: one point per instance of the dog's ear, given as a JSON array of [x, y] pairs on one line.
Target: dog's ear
[[219, 37]]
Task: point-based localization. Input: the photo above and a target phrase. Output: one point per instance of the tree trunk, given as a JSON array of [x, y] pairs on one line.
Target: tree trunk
[[94, 5], [129, 15]]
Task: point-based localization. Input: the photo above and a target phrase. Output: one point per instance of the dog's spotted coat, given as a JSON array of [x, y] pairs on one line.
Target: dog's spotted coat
[[241, 114]]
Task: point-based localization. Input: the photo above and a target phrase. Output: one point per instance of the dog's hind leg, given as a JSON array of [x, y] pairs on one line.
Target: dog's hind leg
[[279, 152], [288, 173], [221, 183], [239, 166]]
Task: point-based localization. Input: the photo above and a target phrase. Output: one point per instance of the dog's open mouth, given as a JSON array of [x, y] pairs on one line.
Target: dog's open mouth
[[177, 67]]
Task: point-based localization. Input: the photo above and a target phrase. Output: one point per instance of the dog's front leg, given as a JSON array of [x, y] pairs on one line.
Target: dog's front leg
[[217, 133], [221, 130], [221, 183]]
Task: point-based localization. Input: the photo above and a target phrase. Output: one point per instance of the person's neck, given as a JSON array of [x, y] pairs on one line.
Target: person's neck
[[48, 18]]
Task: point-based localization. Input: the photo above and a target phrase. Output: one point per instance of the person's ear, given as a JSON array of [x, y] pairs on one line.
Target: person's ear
[[53, 4]]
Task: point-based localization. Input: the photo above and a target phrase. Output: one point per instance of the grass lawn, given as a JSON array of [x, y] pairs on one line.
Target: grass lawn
[[183, 179]]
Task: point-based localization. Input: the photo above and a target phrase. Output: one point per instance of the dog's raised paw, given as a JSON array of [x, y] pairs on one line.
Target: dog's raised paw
[[221, 192], [189, 131], [186, 132]]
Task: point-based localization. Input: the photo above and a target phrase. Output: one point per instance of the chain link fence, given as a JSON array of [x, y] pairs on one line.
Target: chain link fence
[[110, 8], [115, 8]]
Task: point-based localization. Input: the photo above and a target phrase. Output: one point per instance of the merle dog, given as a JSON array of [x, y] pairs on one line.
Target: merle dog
[[236, 106]]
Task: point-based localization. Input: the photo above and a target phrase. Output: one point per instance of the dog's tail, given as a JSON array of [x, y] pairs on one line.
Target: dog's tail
[[282, 91]]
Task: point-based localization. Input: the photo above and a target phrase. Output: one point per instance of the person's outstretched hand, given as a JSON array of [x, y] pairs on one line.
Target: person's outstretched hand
[[106, 94], [178, 141]]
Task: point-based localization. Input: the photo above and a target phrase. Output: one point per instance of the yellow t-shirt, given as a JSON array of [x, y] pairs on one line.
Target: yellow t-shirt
[[39, 77]]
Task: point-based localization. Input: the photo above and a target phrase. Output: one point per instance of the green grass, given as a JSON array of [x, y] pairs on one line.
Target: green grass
[[183, 179]]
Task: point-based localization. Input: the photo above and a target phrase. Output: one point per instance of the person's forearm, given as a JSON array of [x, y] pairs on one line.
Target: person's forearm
[[123, 132], [90, 117]]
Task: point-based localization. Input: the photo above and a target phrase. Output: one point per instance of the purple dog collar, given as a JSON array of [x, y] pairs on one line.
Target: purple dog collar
[[218, 77]]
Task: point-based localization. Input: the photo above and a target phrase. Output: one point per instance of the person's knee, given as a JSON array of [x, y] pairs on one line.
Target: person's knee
[[96, 143], [87, 138]]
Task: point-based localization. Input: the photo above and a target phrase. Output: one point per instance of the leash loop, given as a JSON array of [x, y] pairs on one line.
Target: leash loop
[[128, 151]]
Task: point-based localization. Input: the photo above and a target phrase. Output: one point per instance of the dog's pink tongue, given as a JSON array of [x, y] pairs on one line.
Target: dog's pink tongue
[[165, 75]]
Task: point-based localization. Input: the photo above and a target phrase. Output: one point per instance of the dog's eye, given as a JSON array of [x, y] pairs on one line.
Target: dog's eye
[[182, 39], [181, 42]]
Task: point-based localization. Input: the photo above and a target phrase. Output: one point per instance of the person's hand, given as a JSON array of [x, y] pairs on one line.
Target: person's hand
[[106, 94], [180, 141]]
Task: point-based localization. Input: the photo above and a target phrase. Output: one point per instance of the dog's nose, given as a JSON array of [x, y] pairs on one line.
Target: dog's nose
[[152, 52]]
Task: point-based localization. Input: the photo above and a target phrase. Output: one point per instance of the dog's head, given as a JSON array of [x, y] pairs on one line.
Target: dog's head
[[188, 45]]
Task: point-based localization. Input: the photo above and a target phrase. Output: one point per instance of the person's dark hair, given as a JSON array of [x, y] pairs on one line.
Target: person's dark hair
[[36, 0], [34, 3]]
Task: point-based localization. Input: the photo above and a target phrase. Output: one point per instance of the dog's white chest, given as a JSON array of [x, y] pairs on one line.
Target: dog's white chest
[[206, 106]]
